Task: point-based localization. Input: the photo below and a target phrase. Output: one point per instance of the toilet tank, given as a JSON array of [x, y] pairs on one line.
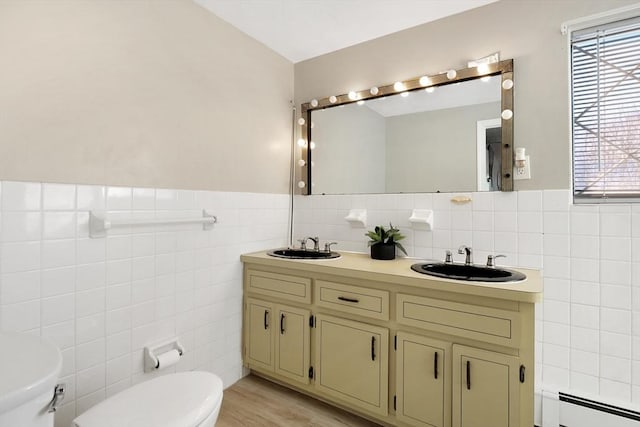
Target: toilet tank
[[29, 370]]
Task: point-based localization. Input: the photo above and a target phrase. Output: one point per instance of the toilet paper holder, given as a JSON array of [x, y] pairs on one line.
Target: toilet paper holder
[[163, 350]]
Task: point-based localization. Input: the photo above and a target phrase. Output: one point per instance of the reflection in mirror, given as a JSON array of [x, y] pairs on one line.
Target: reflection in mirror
[[440, 138]]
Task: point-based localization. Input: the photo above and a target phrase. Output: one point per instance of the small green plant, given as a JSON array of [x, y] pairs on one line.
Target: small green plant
[[380, 235]]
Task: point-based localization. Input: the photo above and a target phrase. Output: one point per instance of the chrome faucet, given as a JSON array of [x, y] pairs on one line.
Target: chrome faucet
[[448, 259], [327, 246], [468, 260], [316, 243], [491, 260]]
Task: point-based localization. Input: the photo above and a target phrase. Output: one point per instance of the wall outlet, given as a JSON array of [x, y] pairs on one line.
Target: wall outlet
[[523, 173]]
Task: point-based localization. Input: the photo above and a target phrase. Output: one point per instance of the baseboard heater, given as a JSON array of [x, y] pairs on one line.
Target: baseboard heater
[[599, 406]]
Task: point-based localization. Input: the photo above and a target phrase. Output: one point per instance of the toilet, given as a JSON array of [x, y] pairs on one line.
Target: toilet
[[185, 399]]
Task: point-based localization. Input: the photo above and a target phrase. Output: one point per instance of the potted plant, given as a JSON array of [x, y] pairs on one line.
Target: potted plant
[[383, 242]]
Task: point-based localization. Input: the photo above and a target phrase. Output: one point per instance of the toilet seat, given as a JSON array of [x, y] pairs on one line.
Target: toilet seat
[[184, 399]]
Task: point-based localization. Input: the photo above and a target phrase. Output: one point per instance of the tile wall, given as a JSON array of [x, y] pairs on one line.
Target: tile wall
[[588, 326], [101, 300]]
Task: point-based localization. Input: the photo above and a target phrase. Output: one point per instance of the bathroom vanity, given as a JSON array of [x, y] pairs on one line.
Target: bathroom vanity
[[390, 344]]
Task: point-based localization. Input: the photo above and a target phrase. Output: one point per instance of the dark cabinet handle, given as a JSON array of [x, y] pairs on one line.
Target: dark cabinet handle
[[435, 365], [468, 375], [373, 348], [348, 299], [281, 323], [266, 319]]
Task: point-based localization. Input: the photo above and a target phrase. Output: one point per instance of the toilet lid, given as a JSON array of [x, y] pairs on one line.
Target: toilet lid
[[183, 399]]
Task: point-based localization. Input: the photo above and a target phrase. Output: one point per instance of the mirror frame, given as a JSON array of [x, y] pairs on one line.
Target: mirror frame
[[503, 68]]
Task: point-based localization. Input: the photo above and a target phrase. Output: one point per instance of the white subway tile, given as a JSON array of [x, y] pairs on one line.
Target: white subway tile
[[58, 197], [90, 380], [586, 383], [119, 271], [616, 273], [556, 333], [613, 344], [530, 201], [505, 221], [584, 316], [556, 200], [615, 368], [505, 242], [482, 201], [21, 316], [58, 253], [118, 369], [556, 245], [57, 309], [556, 311], [530, 222], [556, 267], [90, 328], [585, 362], [118, 296], [90, 250], [118, 344], [119, 198], [118, 320], [21, 226], [557, 289], [585, 247], [556, 222], [584, 223], [90, 302], [59, 225], [90, 354], [58, 281], [530, 243], [585, 292], [585, 270], [144, 199], [21, 256], [19, 287], [585, 339], [615, 224], [63, 335], [20, 196], [614, 296], [506, 201], [90, 276], [91, 197], [615, 320]]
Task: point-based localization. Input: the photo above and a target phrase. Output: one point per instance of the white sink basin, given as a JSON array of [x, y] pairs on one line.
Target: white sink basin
[[29, 370]]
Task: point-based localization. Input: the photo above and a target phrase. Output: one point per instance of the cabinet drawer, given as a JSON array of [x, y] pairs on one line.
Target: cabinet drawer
[[352, 299], [283, 286], [482, 323]]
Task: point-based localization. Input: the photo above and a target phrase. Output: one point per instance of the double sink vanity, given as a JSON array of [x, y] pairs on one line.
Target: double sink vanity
[[392, 344]]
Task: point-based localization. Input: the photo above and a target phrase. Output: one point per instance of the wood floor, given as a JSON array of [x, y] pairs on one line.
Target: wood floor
[[253, 401]]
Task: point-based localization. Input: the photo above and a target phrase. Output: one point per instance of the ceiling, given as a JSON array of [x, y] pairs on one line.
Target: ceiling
[[303, 29]]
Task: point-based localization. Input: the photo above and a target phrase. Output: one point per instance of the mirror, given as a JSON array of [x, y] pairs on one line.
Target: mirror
[[446, 133]]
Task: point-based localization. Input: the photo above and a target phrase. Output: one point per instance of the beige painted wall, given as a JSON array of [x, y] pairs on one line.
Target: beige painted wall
[[526, 30], [157, 93]]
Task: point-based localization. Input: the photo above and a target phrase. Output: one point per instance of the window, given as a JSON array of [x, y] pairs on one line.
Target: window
[[605, 89]]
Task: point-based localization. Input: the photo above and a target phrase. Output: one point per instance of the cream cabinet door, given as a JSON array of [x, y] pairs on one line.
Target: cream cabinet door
[[259, 334], [352, 363], [423, 369], [486, 388], [292, 343]]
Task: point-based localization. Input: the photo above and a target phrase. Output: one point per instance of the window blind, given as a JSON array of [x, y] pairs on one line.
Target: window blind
[[605, 89]]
